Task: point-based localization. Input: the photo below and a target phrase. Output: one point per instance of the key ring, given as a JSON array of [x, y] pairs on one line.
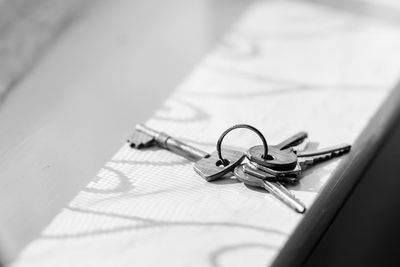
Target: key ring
[[245, 126]]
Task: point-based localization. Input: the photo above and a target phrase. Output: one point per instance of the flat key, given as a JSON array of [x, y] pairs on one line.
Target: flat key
[[281, 156], [207, 166], [275, 188]]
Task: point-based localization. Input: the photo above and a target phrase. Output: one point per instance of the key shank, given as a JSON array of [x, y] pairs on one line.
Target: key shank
[[168, 142]]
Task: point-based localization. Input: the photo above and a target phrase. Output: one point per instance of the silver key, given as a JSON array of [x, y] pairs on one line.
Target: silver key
[[311, 157], [144, 136], [280, 157], [306, 159], [275, 188], [207, 166]]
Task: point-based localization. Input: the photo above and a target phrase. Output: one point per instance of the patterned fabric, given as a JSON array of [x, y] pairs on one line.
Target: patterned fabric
[[286, 66]]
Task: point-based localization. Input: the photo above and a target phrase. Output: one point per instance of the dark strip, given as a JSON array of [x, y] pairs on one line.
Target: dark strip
[[344, 179]]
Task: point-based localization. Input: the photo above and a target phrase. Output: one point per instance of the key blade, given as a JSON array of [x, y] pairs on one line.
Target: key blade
[[274, 188], [211, 167], [284, 189], [311, 160], [280, 192], [342, 148], [140, 140], [294, 140]]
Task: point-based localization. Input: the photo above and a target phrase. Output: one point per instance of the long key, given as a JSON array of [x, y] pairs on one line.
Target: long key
[[145, 137], [206, 165], [275, 188]]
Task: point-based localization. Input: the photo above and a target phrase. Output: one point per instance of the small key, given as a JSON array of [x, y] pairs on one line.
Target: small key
[[275, 188], [281, 156], [207, 166]]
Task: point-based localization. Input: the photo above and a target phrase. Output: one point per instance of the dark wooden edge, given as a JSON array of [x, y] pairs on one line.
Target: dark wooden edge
[[317, 219]]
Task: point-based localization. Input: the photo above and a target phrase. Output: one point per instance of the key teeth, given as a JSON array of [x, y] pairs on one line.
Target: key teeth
[[140, 140], [133, 145], [331, 155]]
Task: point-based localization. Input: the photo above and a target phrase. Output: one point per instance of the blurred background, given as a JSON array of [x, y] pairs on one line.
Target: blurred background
[[73, 79]]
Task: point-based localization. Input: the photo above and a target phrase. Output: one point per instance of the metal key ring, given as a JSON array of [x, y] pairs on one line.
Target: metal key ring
[[245, 126]]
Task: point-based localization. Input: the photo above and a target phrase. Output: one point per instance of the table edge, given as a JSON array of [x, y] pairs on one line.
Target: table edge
[[344, 179]]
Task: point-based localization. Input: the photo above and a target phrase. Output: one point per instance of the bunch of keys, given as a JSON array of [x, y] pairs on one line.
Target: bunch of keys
[[270, 166], [267, 167]]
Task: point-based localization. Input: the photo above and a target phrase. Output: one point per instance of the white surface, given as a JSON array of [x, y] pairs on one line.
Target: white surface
[[65, 118], [287, 66]]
